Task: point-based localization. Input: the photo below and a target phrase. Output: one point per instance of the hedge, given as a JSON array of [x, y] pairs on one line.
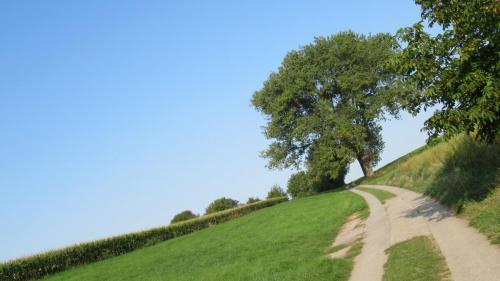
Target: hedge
[[38, 266]]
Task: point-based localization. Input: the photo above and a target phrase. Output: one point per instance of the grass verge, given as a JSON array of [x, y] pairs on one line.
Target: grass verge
[[485, 215], [381, 195], [417, 259], [285, 242]]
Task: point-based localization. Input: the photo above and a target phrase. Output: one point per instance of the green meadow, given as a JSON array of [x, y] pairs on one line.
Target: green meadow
[[285, 242]]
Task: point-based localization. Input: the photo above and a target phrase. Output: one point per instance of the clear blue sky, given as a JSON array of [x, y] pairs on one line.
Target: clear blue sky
[[115, 115]]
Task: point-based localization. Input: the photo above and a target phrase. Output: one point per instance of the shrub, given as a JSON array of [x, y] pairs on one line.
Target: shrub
[[275, 192], [221, 204], [253, 200], [41, 265], [183, 216], [304, 183], [299, 185], [325, 183]]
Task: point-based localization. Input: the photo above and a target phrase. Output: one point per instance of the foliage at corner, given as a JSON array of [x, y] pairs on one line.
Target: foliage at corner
[[276, 192], [184, 215], [221, 204], [325, 101], [42, 265], [458, 69]]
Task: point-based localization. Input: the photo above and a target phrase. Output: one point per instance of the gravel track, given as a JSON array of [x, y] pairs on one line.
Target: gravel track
[[469, 254]]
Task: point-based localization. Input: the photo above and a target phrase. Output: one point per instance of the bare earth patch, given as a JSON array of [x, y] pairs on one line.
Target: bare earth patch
[[351, 232]]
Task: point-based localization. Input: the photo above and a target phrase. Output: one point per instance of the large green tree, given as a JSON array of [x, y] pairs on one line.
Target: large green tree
[[458, 68], [324, 104]]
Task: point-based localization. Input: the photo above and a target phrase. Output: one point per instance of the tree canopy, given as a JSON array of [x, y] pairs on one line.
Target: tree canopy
[[324, 103], [458, 69]]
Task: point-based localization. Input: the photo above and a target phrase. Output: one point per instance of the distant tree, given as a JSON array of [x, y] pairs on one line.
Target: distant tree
[[299, 185], [458, 69], [325, 102], [253, 200], [276, 191], [221, 204], [184, 215]]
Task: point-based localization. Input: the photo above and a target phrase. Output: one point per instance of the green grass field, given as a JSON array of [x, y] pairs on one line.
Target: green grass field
[[417, 259], [284, 242], [381, 195], [461, 173]]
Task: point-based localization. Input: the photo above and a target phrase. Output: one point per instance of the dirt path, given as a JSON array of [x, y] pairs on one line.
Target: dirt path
[[469, 254], [369, 264]]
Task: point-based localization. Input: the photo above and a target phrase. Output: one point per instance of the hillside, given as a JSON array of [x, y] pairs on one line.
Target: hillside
[[461, 173], [291, 241], [285, 242]]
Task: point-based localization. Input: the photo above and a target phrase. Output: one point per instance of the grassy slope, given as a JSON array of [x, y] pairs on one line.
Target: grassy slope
[[285, 242], [381, 195], [417, 259], [461, 173]]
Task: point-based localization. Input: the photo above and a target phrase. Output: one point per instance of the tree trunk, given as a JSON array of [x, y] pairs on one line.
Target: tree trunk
[[366, 165]]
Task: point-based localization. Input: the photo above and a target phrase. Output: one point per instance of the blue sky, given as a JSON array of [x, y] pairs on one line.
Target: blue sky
[[115, 115]]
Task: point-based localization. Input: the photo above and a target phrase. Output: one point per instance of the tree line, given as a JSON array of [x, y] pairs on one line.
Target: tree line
[[225, 203], [325, 102]]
